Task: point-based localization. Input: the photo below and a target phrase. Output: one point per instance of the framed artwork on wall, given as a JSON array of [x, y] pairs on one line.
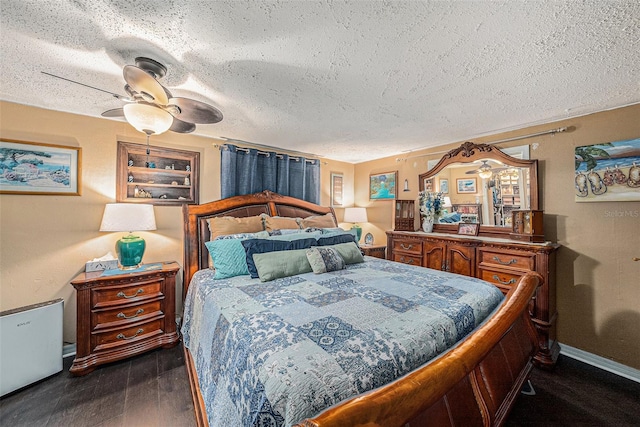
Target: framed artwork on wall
[[466, 185], [608, 172], [337, 186], [444, 186], [383, 186], [428, 184], [36, 168]]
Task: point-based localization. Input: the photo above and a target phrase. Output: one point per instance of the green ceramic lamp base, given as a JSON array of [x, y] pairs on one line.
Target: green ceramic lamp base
[[130, 250], [358, 231]]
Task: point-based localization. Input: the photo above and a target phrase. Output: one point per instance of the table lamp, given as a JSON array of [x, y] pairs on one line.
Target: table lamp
[[129, 217], [355, 215]]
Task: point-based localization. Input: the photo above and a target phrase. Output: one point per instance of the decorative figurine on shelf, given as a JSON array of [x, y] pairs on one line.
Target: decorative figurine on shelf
[[136, 192], [187, 181], [174, 182], [164, 196], [167, 167], [130, 163], [173, 166], [130, 178], [188, 168]]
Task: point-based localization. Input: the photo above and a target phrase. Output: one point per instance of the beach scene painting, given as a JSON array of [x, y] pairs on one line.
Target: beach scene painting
[[608, 172], [382, 186], [34, 168]]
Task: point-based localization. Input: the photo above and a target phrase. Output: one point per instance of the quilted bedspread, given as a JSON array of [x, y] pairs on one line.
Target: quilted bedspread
[[274, 353]]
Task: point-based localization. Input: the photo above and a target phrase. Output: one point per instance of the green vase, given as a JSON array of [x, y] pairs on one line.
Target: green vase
[[358, 232], [130, 250]]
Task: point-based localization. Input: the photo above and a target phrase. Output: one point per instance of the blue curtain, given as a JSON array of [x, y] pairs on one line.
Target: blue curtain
[[247, 171]]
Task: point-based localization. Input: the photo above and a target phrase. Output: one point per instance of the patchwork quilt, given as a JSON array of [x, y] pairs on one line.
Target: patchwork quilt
[[274, 353]]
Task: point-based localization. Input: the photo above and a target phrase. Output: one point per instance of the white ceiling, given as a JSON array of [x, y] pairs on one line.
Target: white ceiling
[[348, 80]]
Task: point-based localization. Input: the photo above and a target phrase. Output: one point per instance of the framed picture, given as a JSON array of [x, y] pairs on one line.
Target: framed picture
[[337, 181], [368, 239], [466, 185], [468, 229], [383, 186], [428, 184], [35, 168], [444, 186]]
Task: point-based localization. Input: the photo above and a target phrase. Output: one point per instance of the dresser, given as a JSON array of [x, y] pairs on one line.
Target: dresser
[[124, 314], [496, 260]]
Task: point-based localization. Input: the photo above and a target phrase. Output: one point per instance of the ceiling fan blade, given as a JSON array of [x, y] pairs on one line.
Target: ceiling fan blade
[[116, 112], [115, 95], [195, 111], [473, 171], [180, 126], [141, 82]]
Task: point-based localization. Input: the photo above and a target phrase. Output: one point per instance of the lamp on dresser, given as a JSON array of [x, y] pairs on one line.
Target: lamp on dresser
[[129, 217], [356, 215]]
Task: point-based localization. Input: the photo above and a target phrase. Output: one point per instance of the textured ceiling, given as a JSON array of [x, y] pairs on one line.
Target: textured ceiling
[[351, 81]]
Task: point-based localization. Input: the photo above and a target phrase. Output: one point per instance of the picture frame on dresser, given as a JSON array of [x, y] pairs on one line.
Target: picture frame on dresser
[[468, 228]]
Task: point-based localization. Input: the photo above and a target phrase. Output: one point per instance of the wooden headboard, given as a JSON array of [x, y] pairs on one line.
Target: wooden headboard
[[196, 228]]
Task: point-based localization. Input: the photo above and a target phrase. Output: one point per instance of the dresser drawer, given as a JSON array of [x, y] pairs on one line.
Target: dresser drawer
[[407, 259], [113, 296], [504, 280], [411, 247], [523, 261], [122, 316], [109, 339]]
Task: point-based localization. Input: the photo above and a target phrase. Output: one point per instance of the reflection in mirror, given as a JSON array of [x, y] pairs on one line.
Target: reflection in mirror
[[482, 184]]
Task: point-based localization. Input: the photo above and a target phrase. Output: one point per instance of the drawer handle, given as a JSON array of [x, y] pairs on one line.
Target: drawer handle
[[122, 337], [121, 315], [123, 295], [497, 279], [406, 261], [499, 261], [406, 248]]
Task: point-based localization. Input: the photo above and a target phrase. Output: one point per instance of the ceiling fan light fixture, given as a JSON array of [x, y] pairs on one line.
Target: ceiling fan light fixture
[[485, 174], [147, 118]]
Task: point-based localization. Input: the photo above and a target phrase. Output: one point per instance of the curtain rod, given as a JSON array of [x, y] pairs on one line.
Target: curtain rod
[[267, 154], [515, 138], [268, 147]]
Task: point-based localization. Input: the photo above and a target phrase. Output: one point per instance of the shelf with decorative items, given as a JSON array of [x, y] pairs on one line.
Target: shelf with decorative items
[[162, 176]]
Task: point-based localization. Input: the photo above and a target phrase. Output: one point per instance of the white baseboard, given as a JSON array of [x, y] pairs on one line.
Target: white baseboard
[[600, 362], [68, 350]]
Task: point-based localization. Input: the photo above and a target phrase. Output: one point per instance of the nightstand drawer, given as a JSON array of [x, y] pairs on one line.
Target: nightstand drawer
[[122, 316], [126, 336], [407, 259], [110, 296], [412, 247], [525, 261]]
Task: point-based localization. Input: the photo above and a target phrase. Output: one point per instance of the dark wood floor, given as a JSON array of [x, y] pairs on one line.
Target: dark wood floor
[[153, 390]]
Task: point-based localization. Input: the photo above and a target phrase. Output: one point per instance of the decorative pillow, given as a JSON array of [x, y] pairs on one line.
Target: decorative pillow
[[295, 236], [324, 259], [260, 246], [334, 240], [274, 265], [279, 223], [349, 252], [239, 236], [318, 221], [340, 231], [229, 257], [221, 225]]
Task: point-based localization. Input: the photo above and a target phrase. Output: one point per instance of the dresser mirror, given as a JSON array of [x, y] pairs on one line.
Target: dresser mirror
[[483, 185]]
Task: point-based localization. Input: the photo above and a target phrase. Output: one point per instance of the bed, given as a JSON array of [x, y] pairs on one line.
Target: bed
[[468, 374]]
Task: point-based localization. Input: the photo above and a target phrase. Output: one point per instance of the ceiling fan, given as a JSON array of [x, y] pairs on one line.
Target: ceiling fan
[[485, 170], [150, 107]]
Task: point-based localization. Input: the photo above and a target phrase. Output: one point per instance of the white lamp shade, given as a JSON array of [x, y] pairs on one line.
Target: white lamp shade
[[447, 202], [128, 217], [355, 215], [147, 118]]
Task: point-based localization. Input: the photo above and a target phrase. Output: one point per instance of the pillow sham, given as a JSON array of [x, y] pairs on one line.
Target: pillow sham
[[334, 240], [222, 225], [279, 223], [229, 258], [295, 236], [318, 221], [324, 259], [274, 265], [259, 246], [349, 252]]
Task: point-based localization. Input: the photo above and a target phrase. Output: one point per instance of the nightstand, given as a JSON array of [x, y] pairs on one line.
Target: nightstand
[[121, 314], [378, 251]]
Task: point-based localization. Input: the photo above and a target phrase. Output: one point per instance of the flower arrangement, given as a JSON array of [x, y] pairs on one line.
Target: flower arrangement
[[430, 204]]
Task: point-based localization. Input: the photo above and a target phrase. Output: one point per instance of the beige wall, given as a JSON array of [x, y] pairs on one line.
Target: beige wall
[[598, 290], [46, 240]]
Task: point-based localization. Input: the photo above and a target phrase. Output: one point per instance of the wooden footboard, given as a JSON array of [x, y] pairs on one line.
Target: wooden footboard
[[474, 383]]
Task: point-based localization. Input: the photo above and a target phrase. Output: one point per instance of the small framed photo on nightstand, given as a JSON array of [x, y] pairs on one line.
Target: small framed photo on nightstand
[[368, 239]]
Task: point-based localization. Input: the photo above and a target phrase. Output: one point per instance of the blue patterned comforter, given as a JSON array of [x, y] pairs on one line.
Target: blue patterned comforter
[[274, 353]]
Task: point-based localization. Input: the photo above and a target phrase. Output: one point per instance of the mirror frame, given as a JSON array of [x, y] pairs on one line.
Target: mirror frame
[[470, 152]]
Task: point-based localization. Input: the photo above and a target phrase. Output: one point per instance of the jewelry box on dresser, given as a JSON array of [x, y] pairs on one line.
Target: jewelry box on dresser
[[500, 253]]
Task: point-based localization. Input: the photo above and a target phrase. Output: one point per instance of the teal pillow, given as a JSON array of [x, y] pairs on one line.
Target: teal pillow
[[324, 259], [229, 258], [274, 265], [349, 252]]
